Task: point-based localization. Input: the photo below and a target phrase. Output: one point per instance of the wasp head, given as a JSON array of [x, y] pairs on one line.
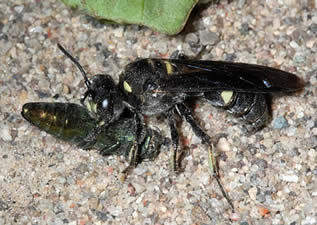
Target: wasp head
[[105, 98]]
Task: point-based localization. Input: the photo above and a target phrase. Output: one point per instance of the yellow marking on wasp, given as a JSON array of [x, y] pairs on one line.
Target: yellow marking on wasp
[[169, 67], [54, 117], [91, 106], [226, 96], [66, 121], [127, 87], [94, 107], [88, 105], [25, 110]]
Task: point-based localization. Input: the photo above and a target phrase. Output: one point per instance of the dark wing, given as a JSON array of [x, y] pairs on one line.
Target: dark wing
[[204, 76]]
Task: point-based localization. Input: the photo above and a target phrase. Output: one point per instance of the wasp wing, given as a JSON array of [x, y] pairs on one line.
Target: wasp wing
[[204, 76]]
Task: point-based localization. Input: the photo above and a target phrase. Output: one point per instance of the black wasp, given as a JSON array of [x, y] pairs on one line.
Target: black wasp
[[162, 86], [112, 119]]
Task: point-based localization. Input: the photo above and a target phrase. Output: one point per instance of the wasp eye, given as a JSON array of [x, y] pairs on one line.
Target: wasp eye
[[105, 103]]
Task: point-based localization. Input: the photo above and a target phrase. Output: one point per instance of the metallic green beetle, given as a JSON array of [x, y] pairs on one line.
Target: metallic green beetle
[[75, 124]]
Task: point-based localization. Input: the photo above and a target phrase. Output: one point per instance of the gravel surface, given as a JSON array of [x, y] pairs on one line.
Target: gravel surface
[[271, 176]]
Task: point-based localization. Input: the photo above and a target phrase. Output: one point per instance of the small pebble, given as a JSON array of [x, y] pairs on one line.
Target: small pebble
[[208, 38], [223, 145], [289, 178], [299, 58], [19, 8], [244, 30], [191, 38], [252, 193], [313, 28], [309, 220], [5, 133], [280, 122]]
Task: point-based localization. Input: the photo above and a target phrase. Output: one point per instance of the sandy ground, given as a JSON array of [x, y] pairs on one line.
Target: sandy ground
[[271, 176]]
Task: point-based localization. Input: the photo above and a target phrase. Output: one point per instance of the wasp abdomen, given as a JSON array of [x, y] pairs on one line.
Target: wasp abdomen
[[249, 106]]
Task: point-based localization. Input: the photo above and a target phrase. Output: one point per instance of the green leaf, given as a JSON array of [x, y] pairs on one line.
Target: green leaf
[[167, 16]]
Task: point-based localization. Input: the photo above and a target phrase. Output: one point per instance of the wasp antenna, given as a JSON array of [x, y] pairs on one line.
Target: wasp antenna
[[87, 82]]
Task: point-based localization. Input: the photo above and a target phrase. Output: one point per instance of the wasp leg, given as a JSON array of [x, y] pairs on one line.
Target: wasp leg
[[133, 155], [212, 165], [206, 139], [135, 150], [178, 55], [87, 93], [185, 112], [139, 127], [175, 137], [133, 161]]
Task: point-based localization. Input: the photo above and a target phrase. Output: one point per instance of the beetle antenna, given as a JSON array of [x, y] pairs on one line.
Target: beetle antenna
[[87, 82]]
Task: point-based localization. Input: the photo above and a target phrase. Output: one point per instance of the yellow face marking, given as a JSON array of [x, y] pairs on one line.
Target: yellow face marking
[[25, 110], [169, 67], [226, 96], [88, 105], [93, 107], [127, 87], [54, 117], [66, 121]]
